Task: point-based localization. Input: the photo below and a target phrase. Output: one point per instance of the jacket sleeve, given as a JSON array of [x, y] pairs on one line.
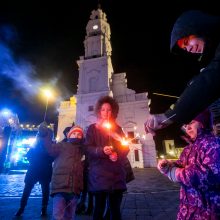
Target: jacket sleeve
[[52, 148], [202, 91], [203, 175], [91, 147], [30, 154]]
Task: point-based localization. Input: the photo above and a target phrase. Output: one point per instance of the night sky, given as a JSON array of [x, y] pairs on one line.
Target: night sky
[[41, 41]]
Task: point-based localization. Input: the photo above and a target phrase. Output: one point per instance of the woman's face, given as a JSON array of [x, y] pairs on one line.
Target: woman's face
[[106, 111]]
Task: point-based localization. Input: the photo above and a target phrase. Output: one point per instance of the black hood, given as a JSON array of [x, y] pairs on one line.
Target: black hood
[[197, 23]]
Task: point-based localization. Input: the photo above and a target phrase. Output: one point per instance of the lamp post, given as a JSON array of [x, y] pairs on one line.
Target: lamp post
[[48, 94]]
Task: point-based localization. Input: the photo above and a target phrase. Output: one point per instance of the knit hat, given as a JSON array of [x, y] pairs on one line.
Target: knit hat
[[75, 129], [205, 118]]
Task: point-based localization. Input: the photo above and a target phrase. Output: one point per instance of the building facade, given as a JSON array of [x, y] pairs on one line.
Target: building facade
[[96, 79]]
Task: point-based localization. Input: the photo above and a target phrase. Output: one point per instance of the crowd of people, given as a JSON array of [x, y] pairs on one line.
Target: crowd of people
[[94, 163], [198, 168], [80, 168]]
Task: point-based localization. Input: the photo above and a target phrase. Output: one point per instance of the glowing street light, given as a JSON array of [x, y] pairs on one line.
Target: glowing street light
[[48, 94]]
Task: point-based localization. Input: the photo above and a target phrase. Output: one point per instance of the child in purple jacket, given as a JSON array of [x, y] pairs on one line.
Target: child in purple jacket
[[197, 171]]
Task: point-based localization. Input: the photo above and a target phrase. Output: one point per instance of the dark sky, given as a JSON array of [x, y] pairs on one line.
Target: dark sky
[[41, 42]]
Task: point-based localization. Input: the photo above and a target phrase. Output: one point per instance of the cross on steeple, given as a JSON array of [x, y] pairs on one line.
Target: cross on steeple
[[99, 4]]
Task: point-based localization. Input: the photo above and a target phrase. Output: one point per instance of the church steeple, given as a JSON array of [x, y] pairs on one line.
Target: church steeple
[[95, 67], [97, 41]]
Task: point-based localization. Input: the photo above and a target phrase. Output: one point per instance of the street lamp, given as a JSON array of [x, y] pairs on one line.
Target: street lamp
[[48, 94]]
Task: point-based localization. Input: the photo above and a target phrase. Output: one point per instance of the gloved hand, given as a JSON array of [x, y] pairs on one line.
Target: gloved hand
[[168, 169], [163, 166], [155, 122]]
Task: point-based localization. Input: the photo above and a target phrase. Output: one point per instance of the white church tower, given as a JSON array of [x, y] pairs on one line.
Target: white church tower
[[96, 79], [95, 68]]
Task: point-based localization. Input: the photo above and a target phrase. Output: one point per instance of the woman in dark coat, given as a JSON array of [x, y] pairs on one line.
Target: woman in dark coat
[[106, 156]]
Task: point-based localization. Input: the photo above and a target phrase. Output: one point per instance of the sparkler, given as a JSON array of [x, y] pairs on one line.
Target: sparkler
[[152, 131], [108, 126], [126, 141], [165, 120], [123, 140]]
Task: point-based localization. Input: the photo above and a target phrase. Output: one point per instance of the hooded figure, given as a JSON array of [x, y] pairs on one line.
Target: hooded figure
[[194, 34], [203, 89], [197, 23]]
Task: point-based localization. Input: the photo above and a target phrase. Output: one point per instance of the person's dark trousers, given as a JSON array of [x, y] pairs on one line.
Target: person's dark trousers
[[90, 203], [29, 185], [107, 215], [81, 207], [45, 187], [26, 193], [100, 203], [114, 201]]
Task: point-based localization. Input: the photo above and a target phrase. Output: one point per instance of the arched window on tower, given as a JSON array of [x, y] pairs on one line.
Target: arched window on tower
[[92, 84]]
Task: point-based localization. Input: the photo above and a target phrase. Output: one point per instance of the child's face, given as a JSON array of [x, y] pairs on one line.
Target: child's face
[[192, 129], [76, 135]]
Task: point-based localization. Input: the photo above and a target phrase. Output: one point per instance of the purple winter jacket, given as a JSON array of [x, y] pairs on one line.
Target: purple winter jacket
[[200, 179]]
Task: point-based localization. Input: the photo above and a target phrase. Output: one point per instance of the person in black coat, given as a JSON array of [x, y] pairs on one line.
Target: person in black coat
[[39, 170], [197, 35]]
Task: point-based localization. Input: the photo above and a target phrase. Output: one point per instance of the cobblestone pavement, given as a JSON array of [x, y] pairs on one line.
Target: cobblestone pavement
[[151, 196]]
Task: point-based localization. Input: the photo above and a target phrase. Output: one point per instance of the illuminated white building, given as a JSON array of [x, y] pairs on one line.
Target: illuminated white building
[[97, 78]]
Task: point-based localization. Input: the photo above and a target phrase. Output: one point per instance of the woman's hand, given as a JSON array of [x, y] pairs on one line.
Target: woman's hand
[[108, 150], [113, 157]]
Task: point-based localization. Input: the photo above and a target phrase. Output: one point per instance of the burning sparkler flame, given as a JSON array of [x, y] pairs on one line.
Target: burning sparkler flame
[[125, 142], [107, 125]]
